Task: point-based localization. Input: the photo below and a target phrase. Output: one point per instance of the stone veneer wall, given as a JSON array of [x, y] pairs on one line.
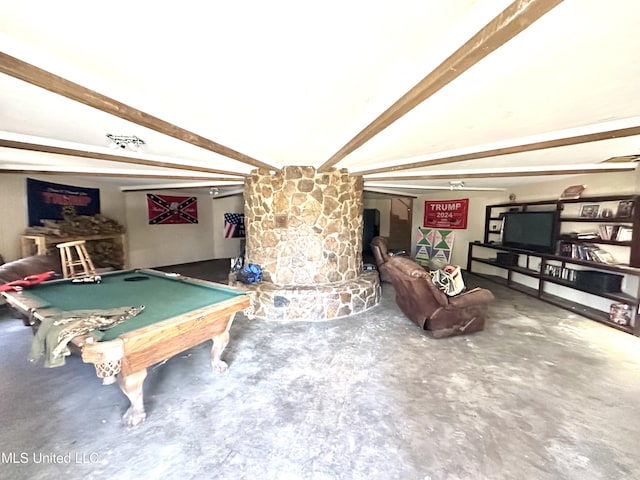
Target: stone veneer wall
[[305, 230]]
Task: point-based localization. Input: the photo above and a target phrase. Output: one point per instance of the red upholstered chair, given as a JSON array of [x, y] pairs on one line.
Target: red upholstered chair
[[429, 308]]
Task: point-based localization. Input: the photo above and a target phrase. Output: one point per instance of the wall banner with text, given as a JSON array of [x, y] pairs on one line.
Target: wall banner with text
[[446, 213], [50, 201]]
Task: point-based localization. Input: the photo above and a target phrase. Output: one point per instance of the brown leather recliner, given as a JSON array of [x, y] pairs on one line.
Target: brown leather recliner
[[430, 308], [380, 250]]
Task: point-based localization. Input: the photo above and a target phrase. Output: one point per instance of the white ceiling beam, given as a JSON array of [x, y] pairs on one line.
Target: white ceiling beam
[[94, 155]]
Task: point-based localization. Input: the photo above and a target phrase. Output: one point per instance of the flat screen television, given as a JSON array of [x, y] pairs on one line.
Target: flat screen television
[[536, 231]]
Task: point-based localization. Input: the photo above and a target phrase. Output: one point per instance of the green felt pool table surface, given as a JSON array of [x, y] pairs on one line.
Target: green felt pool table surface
[[163, 296]]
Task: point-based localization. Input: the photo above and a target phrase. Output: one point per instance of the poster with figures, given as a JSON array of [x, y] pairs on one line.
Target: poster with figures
[[434, 245]]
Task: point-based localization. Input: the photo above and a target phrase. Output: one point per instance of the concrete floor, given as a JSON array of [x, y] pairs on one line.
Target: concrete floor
[[539, 394]]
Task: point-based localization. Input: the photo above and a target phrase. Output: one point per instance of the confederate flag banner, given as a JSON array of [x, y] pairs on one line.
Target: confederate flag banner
[[167, 209], [446, 213]]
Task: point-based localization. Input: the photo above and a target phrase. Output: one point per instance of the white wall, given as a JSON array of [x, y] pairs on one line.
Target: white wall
[[475, 220], [225, 247], [14, 214], [169, 244], [148, 245], [596, 184], [158, 245]]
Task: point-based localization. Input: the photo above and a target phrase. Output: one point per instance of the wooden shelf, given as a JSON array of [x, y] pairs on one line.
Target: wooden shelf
[[588, 307], [617, 267], [585, 311], [582, 309], [597, 220], [525, 271], [618, 297], [40, 244], [596, 241], [488, 261]]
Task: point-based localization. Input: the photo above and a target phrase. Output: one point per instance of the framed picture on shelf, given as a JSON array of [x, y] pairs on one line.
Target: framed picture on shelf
[[625, 209], [606, 213], [589, 210]]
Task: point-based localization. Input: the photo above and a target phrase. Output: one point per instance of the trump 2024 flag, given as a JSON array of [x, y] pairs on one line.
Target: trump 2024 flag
[[167, 209], [234, 225]]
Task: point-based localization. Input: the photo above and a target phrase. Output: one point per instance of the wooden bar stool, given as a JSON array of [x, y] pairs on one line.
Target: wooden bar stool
[[75, 259]]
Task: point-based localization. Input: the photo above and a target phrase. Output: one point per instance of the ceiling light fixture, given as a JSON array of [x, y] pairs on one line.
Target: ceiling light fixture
[[456, 184], [125, 141], [214, 192]]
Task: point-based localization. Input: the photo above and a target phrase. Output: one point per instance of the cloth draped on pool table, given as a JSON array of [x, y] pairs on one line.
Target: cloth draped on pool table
[[56, 331]]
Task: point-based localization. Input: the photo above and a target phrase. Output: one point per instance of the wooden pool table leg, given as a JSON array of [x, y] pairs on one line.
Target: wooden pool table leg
[[131, 386], [220, 342]]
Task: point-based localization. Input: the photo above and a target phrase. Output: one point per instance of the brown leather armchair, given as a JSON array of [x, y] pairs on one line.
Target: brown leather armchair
[[381, 253], [380, 250], [429, 308]]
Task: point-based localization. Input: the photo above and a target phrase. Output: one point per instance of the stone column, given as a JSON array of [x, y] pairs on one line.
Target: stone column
[[304, 228]]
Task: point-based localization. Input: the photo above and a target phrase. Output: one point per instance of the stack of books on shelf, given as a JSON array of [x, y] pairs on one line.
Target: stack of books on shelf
[[621, 233], [588, 236], [584, 251], [556, 271]]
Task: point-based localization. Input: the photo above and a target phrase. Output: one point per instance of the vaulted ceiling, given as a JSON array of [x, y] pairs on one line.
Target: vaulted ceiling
[[410, 94]]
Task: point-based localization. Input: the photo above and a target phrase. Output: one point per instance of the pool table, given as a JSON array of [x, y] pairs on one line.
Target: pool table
[[179, 313]]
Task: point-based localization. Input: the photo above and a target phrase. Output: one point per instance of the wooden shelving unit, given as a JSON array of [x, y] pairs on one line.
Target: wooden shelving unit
[[531, 273], [41, 244]]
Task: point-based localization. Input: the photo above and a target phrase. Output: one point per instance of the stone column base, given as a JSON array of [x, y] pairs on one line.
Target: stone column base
[[312, 302]]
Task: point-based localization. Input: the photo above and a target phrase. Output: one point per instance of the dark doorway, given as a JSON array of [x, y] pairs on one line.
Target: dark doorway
[[371, 228], [400, 233]]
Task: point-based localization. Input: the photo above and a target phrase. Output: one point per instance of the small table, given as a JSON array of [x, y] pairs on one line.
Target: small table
[[180, 313]]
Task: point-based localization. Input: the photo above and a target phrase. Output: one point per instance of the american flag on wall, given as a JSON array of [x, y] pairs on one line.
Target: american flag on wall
[[234, 225], [167, 209]]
